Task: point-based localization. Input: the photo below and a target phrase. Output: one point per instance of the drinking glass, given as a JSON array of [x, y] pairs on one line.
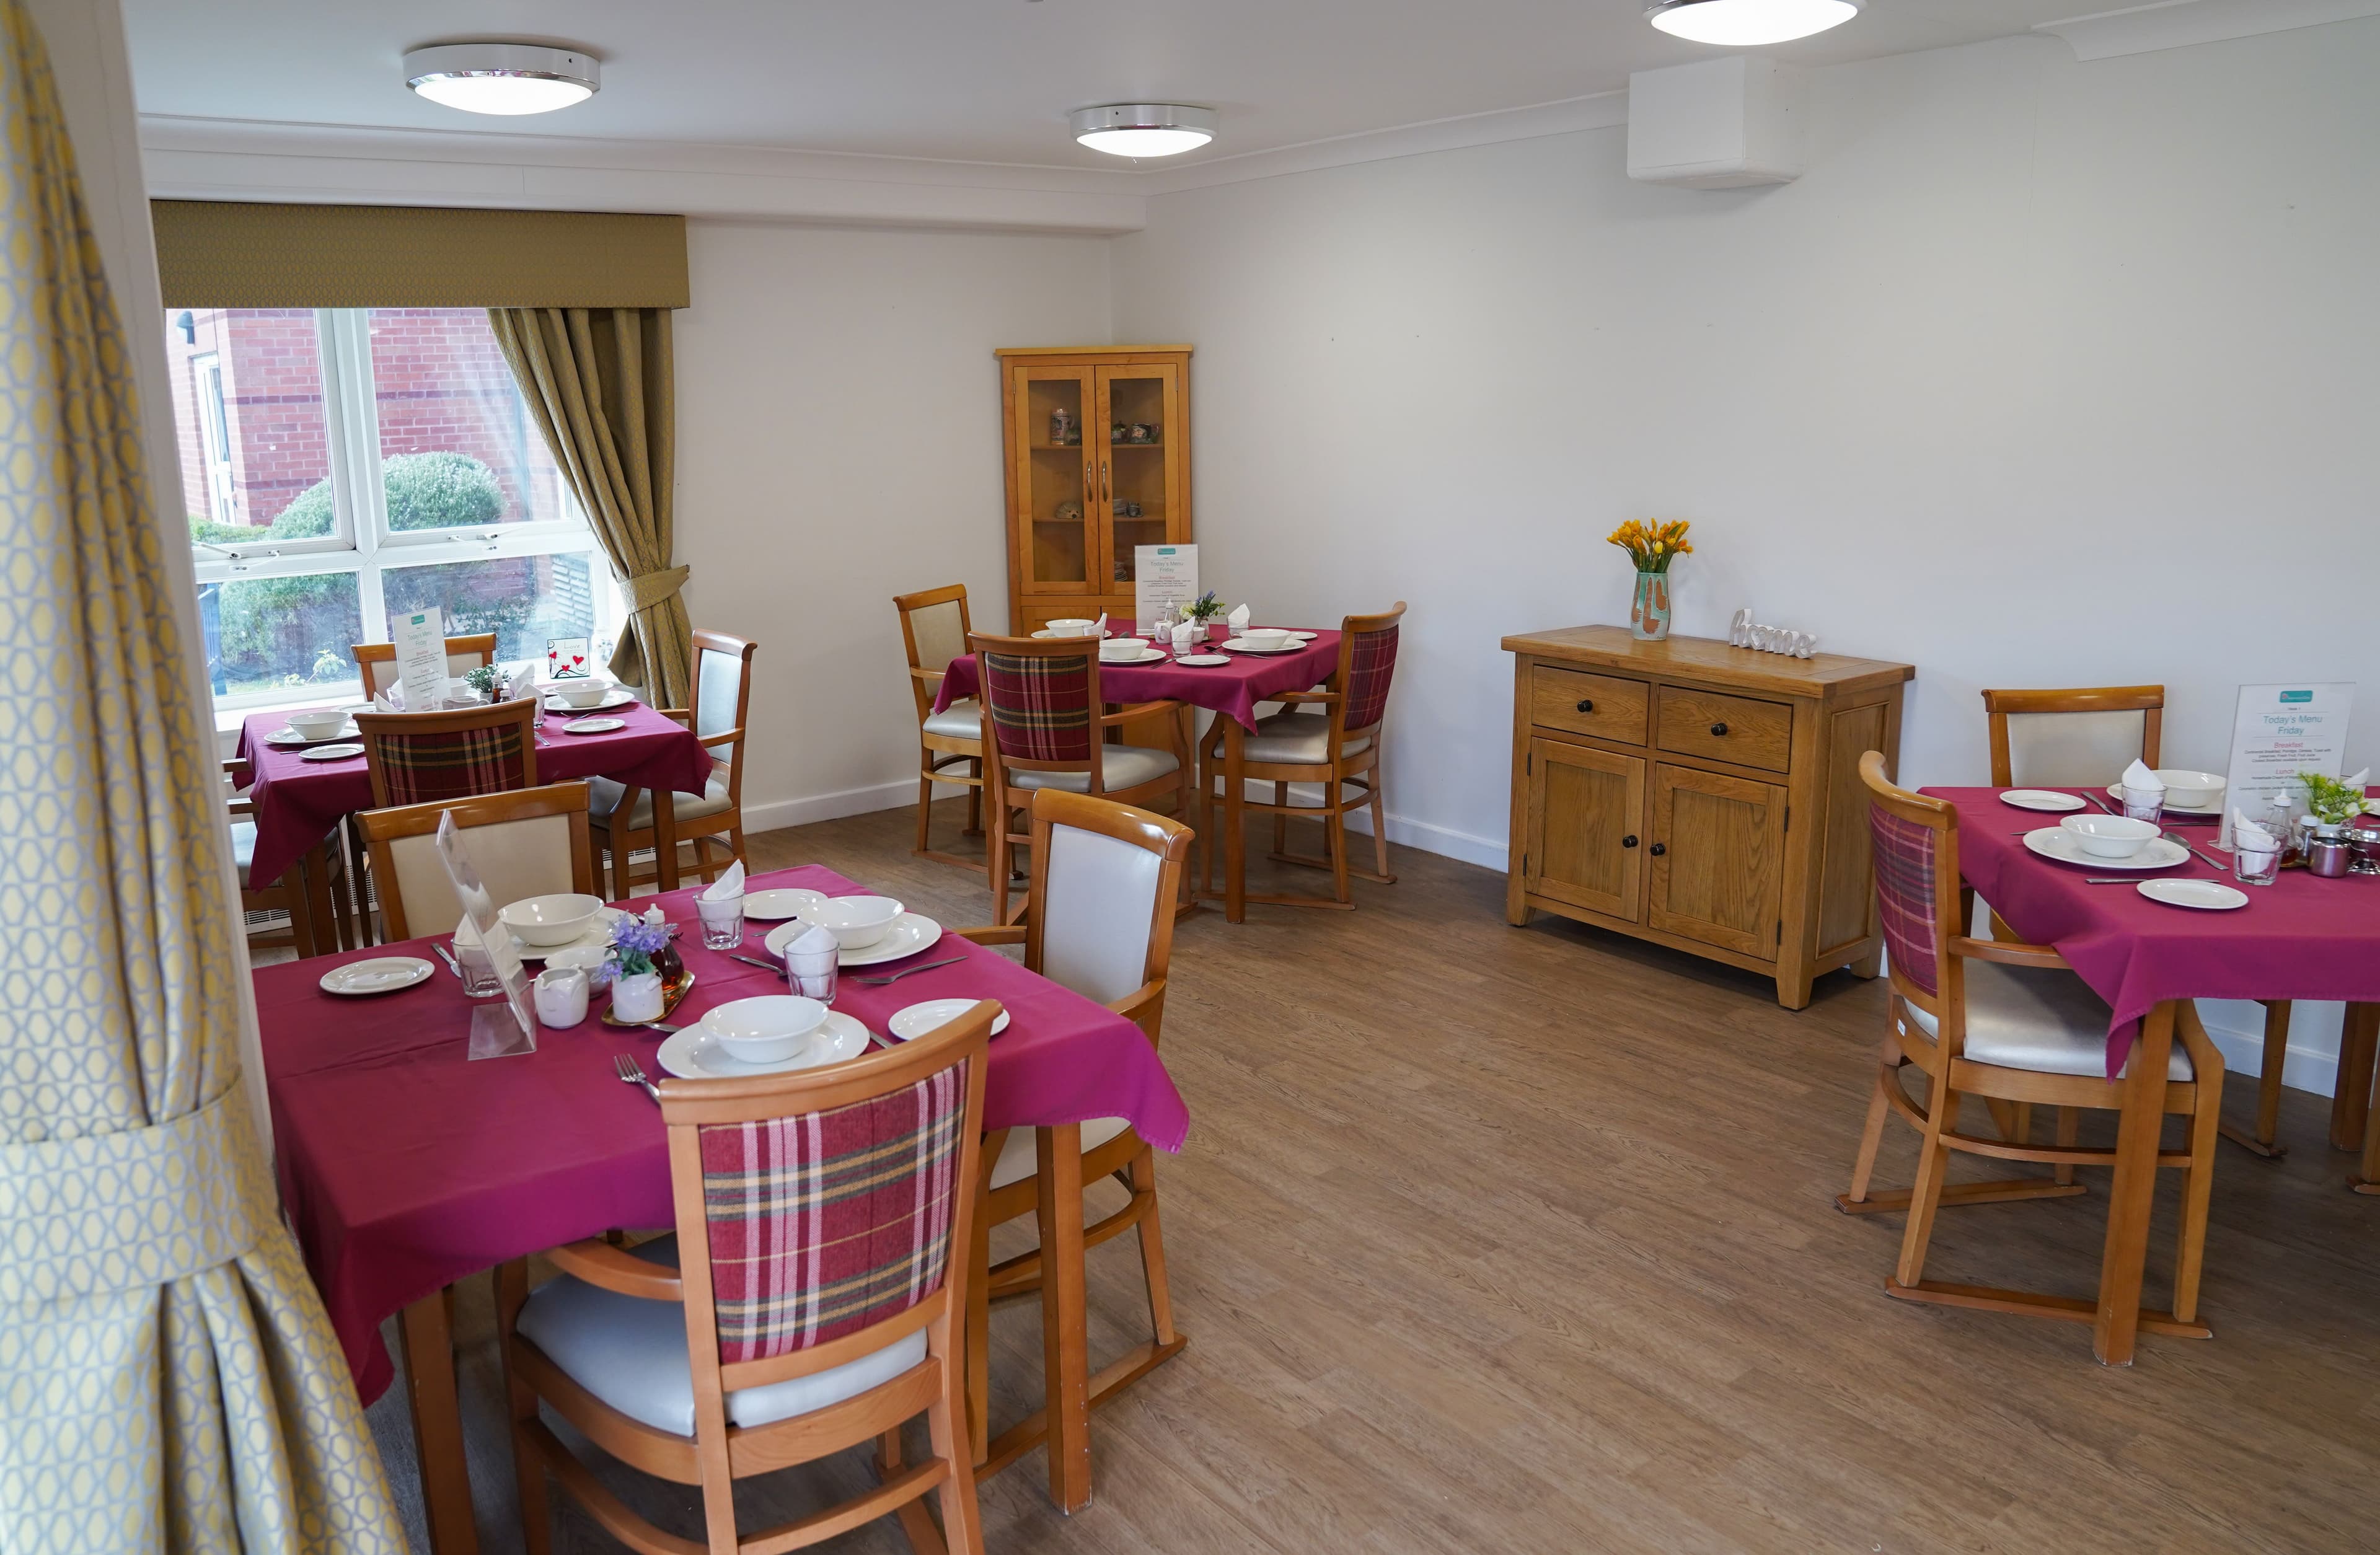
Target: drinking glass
[[480, 979], [2144, 804], [2259, 868], [813, 976], [722, 921]]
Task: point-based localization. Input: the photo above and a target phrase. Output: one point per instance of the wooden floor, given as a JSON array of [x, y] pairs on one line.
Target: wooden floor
[[1495, 1240]]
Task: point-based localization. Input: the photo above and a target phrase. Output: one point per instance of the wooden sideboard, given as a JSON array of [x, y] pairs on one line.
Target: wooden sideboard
[[1701, 796]]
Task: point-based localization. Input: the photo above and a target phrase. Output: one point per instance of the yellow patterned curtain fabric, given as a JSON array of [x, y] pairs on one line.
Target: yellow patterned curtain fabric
[[599, 383], [168, 1381]]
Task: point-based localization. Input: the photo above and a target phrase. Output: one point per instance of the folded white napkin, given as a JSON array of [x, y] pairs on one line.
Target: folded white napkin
[[466, 932], [727, 887], [812, 950], [2360, 778], [521, 683], [2138, 776], [389, 700], [1099, 627], [1185, 634], [1238, 620], [2249, 837]]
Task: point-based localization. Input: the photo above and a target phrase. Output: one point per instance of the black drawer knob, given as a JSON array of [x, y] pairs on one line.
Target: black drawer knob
[[1657, 849], [1628, 840], [1586, 704], [1719, 728]]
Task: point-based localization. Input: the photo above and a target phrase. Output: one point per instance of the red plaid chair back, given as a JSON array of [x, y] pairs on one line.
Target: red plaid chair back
[[824, 1223], [430, 758], [1907, 855], [1369, 656], [1040, 704]]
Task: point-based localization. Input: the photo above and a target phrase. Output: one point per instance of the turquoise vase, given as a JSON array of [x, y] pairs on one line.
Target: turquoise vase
[[1649, 616]]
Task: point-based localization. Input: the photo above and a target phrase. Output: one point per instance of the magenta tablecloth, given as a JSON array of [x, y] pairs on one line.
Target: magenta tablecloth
[[404, 1167], [298, 802], [1233, 689], [2299, 938]]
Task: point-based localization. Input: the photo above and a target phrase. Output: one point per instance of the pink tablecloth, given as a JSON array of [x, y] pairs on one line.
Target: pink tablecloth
[[1233, 689], [298, 802], [404, 1167], [2299, 938]]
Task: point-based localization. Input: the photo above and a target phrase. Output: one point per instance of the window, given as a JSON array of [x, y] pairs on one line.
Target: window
[[343, 465]]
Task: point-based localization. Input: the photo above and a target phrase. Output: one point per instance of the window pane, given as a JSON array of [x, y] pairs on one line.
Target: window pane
[[271, 633], [459, 445], [247, 406], [523, 600]]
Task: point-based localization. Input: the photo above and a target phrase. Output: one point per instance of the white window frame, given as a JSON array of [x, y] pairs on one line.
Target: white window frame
[[360, 540]]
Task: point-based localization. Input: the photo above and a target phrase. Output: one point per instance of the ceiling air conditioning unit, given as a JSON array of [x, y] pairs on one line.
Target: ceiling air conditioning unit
[[1721, 124]]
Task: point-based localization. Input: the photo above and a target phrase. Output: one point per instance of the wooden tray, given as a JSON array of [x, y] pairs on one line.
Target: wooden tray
[[669, 1003]]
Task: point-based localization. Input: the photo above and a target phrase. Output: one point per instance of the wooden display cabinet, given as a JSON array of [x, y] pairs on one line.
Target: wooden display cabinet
[[1702, 796], [1072, 527]]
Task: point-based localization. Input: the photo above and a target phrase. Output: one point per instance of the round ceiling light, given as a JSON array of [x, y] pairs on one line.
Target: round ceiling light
[[1747, 24], [502, 78], [1143, 129]]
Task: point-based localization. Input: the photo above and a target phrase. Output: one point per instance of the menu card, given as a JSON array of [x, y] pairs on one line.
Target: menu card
[[2278, 732], [1163, 575], [497, 1030], [420, 640]]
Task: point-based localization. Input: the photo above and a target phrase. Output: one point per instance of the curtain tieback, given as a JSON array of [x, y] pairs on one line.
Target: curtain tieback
[[137, 1208], [654, 587]]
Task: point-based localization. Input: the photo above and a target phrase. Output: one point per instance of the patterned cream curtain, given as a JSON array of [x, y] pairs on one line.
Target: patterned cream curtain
[[599, 381], [168, 1381]]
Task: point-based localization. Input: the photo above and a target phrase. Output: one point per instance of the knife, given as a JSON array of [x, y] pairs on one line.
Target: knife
[[448, 958], [2200, 856], [755, 961]]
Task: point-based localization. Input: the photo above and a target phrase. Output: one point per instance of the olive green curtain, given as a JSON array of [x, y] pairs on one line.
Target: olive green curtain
[[168, 1381], [598, 381]]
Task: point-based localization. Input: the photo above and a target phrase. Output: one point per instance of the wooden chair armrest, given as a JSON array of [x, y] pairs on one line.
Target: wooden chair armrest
[[1328, 697], [730, 738], [1139, 710], [242, 806], [932, 677], [1005, 934], [238, 768], [615, 1269], [2008, 951], [682, 715], [1148, 997]]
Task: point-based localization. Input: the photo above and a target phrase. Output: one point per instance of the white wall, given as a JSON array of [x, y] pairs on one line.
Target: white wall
[[839, 443], [2031, 379]]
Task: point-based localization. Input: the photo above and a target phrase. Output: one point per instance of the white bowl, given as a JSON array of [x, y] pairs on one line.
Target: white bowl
[[581, 693], [2108, 836], [320, 724], [2192, 791], [855, 922], [766, 1029], [585, 957], [1124, 647], [1265, 636], [550, 920], [1071, 627]]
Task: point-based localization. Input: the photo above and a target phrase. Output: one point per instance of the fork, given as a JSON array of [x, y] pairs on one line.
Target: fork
[[909, 972], [632, 1072]]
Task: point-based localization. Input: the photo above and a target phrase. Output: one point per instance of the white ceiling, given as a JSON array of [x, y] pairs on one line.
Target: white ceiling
[[984, 80]]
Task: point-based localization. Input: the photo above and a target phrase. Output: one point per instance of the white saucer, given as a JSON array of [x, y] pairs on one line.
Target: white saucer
[[382, 974], [1203, 658], [618, 697], [2206, 895], [919, 1019], [1147, 656], [1305, 637], [2157, 853], [2115, 791], [594, 725], [2040, 799], [784, 901], [1241, 645], [597, 937], [330, 752], [910, 933], [692, 1053], [290, 739]]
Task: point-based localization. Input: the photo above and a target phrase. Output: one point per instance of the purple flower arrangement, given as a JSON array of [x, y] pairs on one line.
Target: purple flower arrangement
[[634, 943]]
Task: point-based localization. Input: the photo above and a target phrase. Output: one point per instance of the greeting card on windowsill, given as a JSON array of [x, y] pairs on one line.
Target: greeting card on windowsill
[[497, 1030], [567, 657]]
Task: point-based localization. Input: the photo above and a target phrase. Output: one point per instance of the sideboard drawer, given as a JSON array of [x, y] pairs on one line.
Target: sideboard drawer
[[1603, 706], [1722, 728]]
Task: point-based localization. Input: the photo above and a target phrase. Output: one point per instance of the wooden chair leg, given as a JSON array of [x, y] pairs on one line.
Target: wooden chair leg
[[925, 808], [1380, 827], [2268, 1085], [2070, 1129], [2198, 1188], [528, 1464], [955, 1495], [1334, 827], [1152, 1248], [978, 1327], [1280, 819], [1871, 1135], [1925, 1194], [975, 800]]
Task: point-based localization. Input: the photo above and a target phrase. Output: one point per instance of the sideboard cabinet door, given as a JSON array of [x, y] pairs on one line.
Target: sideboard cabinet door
[[1717, 848], [1585, 845]]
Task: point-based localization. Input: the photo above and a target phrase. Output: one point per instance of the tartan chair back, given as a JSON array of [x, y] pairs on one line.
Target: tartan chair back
[[427, 758], [1371, 662], [1907, 855], [824, 1223], [1041, 704]]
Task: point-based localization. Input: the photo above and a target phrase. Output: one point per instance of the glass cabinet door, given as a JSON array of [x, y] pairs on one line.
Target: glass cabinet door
[[1140, 479], [1055, 458]]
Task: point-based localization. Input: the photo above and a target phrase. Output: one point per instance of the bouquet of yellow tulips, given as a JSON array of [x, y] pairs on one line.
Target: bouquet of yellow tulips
[[1653, 546]]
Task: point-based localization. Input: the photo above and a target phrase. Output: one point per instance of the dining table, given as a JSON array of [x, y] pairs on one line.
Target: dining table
[[1232, 690], [2299, 938], [405, 1166]]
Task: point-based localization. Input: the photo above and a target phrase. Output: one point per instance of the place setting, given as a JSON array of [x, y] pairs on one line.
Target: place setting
[[315, 727], [585, 696]]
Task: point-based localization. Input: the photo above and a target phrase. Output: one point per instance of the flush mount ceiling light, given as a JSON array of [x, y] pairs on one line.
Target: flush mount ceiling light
[[502, 78], [1143, 129], [1745, 24]]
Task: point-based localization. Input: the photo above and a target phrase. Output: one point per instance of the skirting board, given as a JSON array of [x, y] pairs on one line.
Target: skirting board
[[812, 807]]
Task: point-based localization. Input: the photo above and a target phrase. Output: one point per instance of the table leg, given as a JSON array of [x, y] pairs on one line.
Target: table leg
[[2133, 1193], [2362, 1035], [427, 1340], [1065, 1322], [664, 840], [1235, 815], [2351, 1097], [315, 869]]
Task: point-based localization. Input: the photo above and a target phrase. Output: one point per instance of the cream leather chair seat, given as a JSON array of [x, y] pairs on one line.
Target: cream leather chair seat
[[243, 851], [2038, 1018], [1019, 1159], [604, 797], [1298, 739], [960, 721], [1120, 765]]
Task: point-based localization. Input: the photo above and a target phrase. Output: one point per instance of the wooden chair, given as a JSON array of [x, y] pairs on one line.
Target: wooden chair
[[423, 758], [2082, 738], [697, 1360], [1338, 749], [2012, 1024], [311, 902], [1043, 697], [376, 661], [934, 628], [622, 816], [532, 842], [1100, 919]]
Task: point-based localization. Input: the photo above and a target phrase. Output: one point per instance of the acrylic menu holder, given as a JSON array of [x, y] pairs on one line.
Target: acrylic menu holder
[[2276, 733], [420, 639], [497, 1030]]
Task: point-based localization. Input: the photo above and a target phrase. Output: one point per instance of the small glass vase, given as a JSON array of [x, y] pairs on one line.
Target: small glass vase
[[1648, 614], [636, 998]]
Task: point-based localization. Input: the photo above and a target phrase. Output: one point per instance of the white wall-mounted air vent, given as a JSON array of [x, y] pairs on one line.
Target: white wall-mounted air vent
[[1720, 124]]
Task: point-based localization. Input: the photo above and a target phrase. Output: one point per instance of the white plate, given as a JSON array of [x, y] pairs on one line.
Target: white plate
[[618, 697], [290, 738], [910, 933], [2040, 799], [599, 937], [1202, 659], [2206, 895], [919, 1019], [693, 1054], [1147, 656], [2157, 853], [1046, 635], [330, 752], [382, 974], [2115, 791], [771, 906], [594, 725], [1241, 645]]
